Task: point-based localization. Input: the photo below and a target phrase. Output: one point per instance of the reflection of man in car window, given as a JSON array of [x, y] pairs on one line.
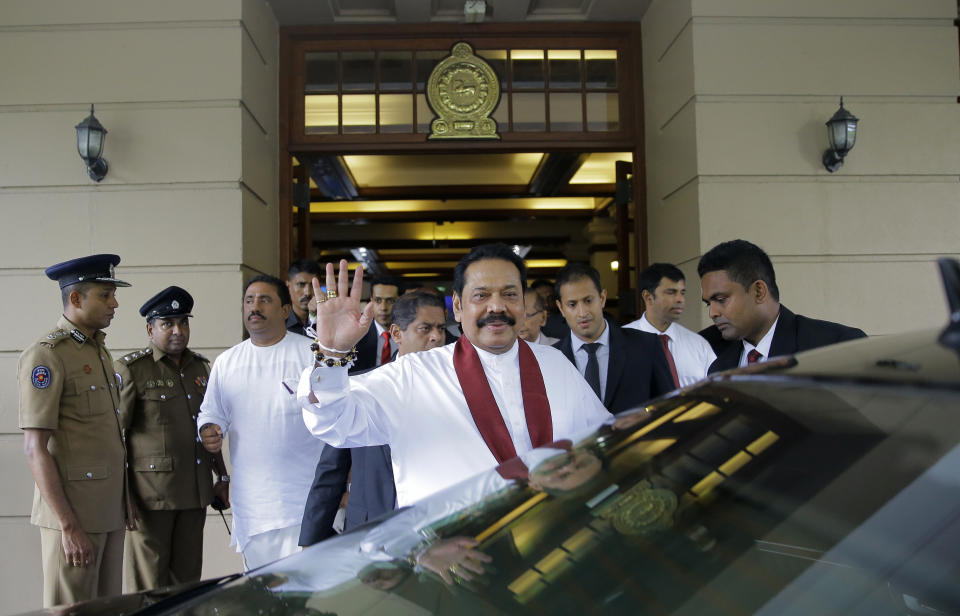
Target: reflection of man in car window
[[565, 472]]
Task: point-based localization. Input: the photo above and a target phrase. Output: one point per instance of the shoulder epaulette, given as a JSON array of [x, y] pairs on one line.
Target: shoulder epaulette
[[54, 337], [135, 356]]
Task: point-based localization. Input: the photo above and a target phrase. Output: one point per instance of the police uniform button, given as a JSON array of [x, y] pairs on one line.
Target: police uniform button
[[163, 397], [181, 375], [89, 475], [118, 411], [194, 417], [153, 467], [198, 460], [93, 387], [189, 397]]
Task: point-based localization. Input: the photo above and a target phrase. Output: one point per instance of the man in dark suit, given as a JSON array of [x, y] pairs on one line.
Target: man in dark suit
[[625, 367], [299, 277], [741, 294], [361, 479], [377, 347]]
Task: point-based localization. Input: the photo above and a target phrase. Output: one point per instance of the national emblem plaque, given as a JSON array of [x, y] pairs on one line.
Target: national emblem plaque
[[463, 90]]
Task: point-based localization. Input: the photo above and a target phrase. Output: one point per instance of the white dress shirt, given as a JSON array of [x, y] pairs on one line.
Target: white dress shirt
[[763, 347], [393, 343], [581, 356], [415, 404], [691, 352], [273, 456]]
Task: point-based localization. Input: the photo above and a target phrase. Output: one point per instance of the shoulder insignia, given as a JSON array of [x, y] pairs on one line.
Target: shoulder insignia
[[54, 337], [40, 377], [130, 358]]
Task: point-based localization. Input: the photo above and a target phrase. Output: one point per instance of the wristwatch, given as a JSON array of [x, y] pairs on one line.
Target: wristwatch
[[225, 478]]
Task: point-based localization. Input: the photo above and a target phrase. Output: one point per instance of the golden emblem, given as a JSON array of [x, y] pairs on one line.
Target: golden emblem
[[463, 91], [642, 510]]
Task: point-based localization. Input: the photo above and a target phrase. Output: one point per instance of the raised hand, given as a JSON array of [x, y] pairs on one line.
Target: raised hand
[[340, 322]]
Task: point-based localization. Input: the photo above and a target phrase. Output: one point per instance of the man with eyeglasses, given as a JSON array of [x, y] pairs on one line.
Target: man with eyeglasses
[[377, 347], [535, 316]]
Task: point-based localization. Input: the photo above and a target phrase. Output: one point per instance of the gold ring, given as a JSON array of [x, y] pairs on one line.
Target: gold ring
[[331, 294]]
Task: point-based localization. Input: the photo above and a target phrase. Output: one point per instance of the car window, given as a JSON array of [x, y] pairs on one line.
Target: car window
[[756, 495]]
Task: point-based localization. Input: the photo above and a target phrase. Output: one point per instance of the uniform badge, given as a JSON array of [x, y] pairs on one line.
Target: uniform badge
[[174, 304], [87, 369], [78, 335], [169, 382], [201, 381], [40, 377]]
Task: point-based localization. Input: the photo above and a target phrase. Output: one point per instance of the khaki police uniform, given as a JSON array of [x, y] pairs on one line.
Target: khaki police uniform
[[171, 472], [67, 384]]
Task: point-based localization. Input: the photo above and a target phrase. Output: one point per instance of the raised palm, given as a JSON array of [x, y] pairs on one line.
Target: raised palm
[[340, 322]]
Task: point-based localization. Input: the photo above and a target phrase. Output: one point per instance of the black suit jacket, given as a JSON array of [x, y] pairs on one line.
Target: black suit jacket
[[794, 333], [372, 490], [638, 369], [366, 351]]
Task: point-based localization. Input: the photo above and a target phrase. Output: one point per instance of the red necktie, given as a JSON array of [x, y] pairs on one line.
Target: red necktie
[[483, 406], [754, 356], [664, 339], [385, 352]]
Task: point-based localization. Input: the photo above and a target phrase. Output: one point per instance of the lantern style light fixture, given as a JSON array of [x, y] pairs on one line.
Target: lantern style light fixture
[[842, 131], [90, 137]]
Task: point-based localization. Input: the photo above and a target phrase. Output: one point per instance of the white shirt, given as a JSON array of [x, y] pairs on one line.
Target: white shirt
[[272, 453], [691, 352], [763, 347], [581, 356], [416, 405], [393, 343]]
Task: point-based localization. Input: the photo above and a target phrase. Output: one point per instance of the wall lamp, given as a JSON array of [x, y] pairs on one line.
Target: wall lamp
[[842, 131], [90, 137]]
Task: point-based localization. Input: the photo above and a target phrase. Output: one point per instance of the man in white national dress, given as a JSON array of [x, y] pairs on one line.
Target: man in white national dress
[[454, 411]]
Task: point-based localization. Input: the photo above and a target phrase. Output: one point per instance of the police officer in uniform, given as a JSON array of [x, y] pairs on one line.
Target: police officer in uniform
[[70, 415], [171, 473]]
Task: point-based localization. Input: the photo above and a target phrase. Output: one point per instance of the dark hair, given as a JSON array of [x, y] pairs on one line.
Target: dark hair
[[406, 309], [387, 281], [281, 287], [303, 265], [541, 282], [650, 278], [575, 271], [81, 287], [487, 251], [538, 304], [744, 263]]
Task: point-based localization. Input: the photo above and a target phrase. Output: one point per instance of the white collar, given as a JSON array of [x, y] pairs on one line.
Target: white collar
[[763, 347], [604, 338], [647, 326], [489, 359]]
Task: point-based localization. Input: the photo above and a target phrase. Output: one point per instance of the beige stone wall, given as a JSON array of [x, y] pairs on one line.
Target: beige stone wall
[[737, 93], [188, 93]]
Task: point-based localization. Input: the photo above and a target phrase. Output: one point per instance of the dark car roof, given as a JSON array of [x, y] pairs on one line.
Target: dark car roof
[[915, 357]]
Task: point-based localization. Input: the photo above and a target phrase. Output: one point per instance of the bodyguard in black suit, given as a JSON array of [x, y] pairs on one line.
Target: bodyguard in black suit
[[632, 368], [418, 324], [740, 290]]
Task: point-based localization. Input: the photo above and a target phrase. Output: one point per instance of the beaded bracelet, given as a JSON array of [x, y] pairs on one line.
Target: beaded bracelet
[[330, 362]]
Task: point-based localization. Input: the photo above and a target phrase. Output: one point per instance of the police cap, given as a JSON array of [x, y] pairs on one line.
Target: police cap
[[95, 268], [171, 302]]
